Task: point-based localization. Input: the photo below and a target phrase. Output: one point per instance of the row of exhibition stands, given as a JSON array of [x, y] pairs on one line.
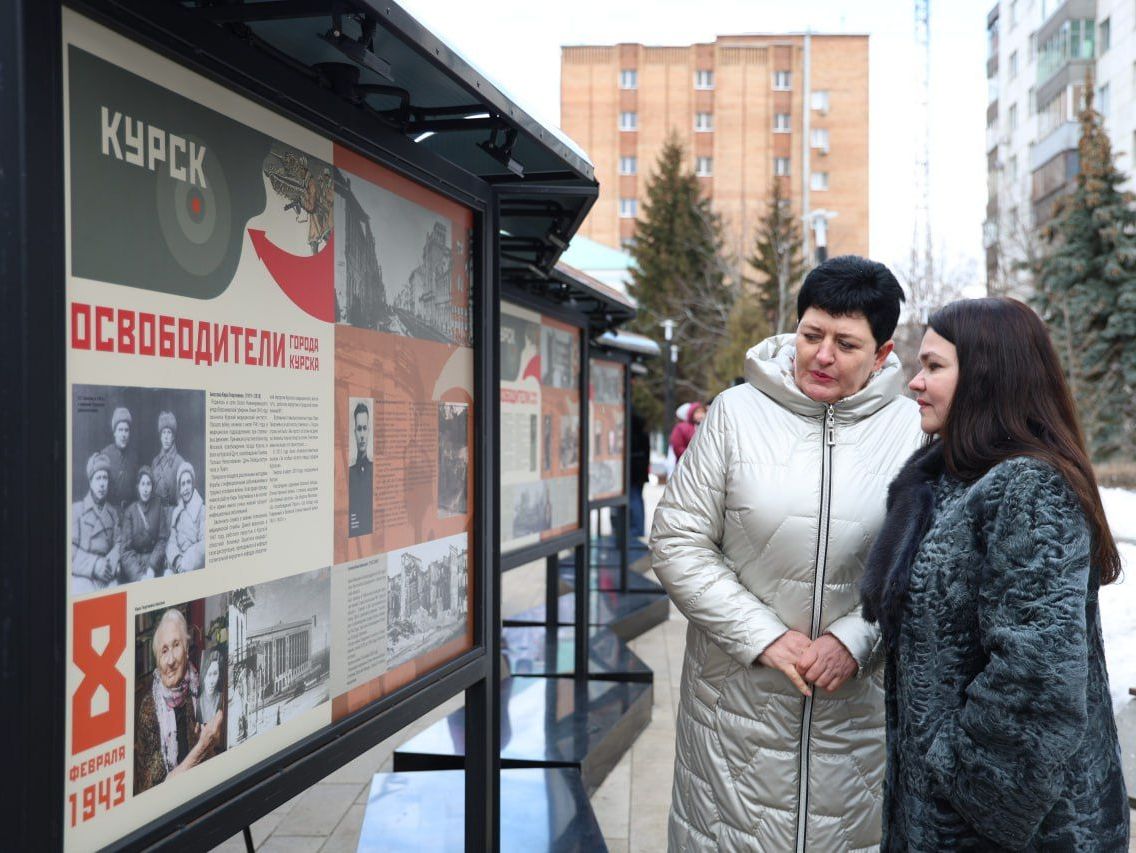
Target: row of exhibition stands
[[203, 167]]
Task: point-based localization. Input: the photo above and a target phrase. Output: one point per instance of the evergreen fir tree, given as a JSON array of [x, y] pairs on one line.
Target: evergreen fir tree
[[778, 260], [748, 325], [680, 275], [1086, 291]]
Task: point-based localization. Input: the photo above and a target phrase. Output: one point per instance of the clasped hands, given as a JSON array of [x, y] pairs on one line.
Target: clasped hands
[[823, 661]]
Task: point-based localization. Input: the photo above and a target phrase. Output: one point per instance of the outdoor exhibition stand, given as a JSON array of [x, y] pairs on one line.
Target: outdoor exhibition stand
[[251, 257], [617, 355]]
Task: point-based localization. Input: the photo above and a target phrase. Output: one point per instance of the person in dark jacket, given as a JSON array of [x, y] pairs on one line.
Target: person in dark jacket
[[640, 459], [166, 464], [984, 580], [145, 529], [123, 461]]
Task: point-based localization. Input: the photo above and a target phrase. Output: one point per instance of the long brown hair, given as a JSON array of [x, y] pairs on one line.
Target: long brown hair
[[1012, 400]]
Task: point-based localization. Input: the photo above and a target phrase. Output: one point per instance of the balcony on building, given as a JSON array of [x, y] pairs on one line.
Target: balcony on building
[[992, 42], [1055, 176], [1066, 46]]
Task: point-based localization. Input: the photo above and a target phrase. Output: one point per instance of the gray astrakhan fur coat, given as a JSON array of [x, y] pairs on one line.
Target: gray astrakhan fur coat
[[1000, 733]]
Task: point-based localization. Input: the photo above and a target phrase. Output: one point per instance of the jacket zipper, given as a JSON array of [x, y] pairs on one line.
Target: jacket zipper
[[828, 441]]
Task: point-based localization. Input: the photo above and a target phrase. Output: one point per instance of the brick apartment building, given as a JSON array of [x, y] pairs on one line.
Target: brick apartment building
[[739, 107]]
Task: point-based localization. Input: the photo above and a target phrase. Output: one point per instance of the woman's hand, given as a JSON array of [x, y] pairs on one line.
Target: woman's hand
[[783, 653], [826, 663]]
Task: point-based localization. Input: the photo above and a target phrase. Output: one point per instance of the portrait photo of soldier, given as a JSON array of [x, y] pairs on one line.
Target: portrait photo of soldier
[[361, 473], [122, 458], [131, 520], [95, 551]]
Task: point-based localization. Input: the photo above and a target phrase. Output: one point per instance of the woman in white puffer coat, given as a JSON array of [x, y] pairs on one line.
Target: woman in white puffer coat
[[760, 540]]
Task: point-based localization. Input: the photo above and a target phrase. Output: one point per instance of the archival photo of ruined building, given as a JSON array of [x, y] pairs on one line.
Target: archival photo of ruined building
[[399, 267], [427, 603]]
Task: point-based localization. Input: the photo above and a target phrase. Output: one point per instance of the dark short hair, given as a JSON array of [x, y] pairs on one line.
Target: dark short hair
[[361, 409], [849, 284]]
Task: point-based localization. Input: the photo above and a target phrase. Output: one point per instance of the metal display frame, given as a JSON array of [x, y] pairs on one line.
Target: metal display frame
[[618, 504], [578, 540], [33, 588]]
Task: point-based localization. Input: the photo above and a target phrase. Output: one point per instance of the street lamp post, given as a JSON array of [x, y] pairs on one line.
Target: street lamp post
[[671, 351]]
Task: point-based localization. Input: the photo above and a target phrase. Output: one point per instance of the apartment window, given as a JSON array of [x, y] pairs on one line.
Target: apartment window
[[703, 122], [820, 100], [818, 180], [628, 165], [629, 121], [1013, 115], [1013, 65], [1104, 100], [781, 166], [781, 123], [628, 79], [1031, 100], [704, 79], [1032, 47], [704, 167], [628, 208], [1013, 13], [1013, 168], [1104, 36], [820, 139], [783, 80]]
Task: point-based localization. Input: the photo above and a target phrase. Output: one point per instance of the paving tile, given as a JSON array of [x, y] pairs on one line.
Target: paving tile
[[319, 810], [345, 838], [292, 844], [611, 802], [616, 845], [236, 844]]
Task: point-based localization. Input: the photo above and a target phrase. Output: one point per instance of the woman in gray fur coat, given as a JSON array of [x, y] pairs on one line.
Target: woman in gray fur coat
[[984, 581]]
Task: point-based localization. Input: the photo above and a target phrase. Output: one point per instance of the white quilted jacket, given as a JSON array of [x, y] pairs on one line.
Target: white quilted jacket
[[765, 527]]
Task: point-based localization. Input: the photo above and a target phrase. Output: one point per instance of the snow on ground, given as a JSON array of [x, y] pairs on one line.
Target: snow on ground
[[1118, 600]]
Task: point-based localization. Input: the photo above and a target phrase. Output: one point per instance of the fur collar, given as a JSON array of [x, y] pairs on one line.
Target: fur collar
[[910, 505]]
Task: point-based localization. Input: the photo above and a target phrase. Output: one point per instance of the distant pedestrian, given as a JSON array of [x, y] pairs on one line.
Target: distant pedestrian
[[683, 431], [640, 459]]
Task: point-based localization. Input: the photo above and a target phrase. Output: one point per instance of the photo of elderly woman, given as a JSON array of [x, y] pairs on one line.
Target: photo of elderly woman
[[179, 718], [132, 520]]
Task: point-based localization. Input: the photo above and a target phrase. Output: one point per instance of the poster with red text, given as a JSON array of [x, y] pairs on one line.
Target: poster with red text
[[271, 405], [540, 427]]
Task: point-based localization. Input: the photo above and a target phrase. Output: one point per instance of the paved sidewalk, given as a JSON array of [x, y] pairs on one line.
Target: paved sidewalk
[[631, 805]]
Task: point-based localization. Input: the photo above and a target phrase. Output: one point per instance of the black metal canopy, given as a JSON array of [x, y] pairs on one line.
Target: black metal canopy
[[378, 58]]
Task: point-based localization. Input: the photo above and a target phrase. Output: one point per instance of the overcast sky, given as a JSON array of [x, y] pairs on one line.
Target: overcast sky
[[517, 44]]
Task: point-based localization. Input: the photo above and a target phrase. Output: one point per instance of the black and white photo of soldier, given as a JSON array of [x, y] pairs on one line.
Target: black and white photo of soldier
[[94, 532], [123, 512], [167, 461], [453, 459], [532, 508], [185, 549], [279, 654], [361, 473], [558, 357], [569, 441], [426, 597], [122, 458], [144, 532]]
